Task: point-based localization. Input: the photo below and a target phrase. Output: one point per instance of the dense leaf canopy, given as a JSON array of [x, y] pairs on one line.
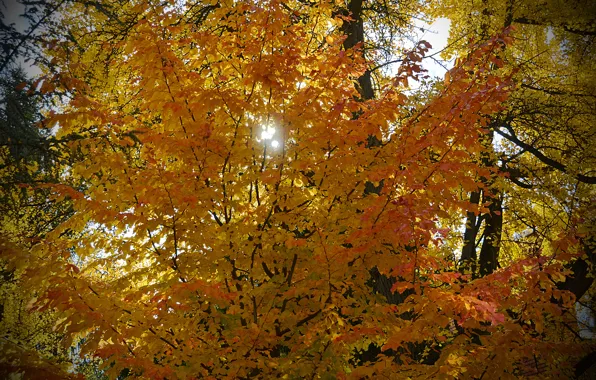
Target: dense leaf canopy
[[262, 189]]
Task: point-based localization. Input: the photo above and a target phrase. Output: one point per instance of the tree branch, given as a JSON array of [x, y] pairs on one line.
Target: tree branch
[[539, 155]]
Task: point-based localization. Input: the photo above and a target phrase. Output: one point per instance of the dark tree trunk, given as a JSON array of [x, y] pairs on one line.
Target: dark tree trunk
[[354, 32], [493, 221], [468, 254], [489, 253]]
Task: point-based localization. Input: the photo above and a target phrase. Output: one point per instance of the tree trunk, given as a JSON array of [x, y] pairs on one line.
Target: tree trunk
[[354, 31], [489, 253], [468, 254]]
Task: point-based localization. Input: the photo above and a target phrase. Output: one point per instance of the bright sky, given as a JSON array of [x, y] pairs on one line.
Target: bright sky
[[12, 12], [436, 34]]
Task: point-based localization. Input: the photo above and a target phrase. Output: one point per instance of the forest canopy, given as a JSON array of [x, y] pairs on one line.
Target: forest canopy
[[279, 189]]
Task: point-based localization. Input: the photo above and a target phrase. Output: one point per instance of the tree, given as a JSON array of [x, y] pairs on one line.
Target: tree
[[27, 157], [249, 205], [28, 341], [546, 153], [546, 125]]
